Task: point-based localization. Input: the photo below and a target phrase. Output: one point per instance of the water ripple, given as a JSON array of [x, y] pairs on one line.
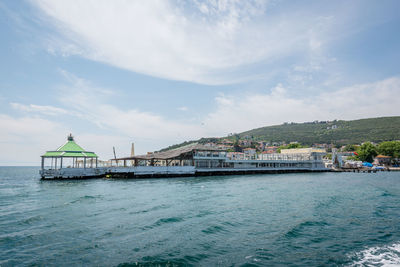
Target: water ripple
[[328, 219], [214, 229], [304, 228]]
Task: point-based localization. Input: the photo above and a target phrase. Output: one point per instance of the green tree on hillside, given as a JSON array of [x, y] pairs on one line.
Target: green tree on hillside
[[367, 152], [236, 146], [390, 148], [350, 148]]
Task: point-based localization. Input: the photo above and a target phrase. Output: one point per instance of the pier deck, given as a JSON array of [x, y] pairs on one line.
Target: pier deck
[[191, 160], [155, 171]]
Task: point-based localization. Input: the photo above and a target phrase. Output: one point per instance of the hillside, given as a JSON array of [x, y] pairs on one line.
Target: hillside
[[336, 132], [347, 132]]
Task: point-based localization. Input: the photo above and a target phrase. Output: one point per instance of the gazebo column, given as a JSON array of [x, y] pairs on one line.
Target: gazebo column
[[55, 164], [96, 163], [61, 160], [84, 162], [42, 163]]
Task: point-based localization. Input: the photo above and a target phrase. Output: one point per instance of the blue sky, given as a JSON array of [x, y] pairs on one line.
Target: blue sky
[[161, 72]]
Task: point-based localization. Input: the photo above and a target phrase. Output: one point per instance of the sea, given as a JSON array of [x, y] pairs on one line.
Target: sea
[[298, 219]]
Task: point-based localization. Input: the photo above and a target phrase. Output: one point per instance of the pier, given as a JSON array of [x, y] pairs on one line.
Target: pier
[[190, 160]]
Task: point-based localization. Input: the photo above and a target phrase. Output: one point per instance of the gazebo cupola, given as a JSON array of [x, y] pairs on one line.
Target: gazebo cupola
[[70, 151]]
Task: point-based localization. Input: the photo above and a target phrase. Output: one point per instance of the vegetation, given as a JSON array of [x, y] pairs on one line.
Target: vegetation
[[177, 145], [337, 132], [367, 152], [236, 147], [390, 148], [201, 141], [355, 158], [350, 148]]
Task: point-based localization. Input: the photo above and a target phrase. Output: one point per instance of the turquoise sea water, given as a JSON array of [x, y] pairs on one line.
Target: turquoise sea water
[[321, 219]]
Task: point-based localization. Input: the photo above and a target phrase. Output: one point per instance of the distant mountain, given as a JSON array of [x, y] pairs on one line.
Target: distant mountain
[[338, 132]]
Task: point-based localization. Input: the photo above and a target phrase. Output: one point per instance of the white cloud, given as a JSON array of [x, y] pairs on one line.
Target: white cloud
[[244, 112], [148, 130], [120, 127], [24, 139], [47, 110], [235, 113], [183, 108], [205, 42]]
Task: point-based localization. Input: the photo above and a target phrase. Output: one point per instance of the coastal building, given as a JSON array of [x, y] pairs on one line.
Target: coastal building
[[66, 159], [382, 160], [352, 164], [227, 142], [339, 158], [224, 147], [235, 155], [183, 156], [211, 144], [249, 153], [271, 149], [245, 143], [190, 160]]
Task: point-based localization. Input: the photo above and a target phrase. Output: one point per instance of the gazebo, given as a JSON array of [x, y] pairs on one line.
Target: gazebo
[[70, 150]]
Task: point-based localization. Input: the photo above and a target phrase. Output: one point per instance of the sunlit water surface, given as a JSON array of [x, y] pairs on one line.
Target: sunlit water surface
[[328, 219]]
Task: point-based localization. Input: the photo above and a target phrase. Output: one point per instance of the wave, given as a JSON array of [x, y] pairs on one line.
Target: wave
[[32, 219], [163, 221], [159, 261], [378, 256], [159, 207], [214, 229], [84, 198], [304, 227], [168, 220]]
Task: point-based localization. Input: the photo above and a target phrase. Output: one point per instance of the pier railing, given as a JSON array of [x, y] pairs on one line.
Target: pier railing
[[287, 157]]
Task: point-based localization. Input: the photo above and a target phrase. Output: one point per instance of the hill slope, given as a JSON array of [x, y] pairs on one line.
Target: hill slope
[[336, 132], [347, 132]]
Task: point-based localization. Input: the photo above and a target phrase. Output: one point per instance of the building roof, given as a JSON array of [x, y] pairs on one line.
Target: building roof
[[70, 150], [306, 150], [383, 157], [174, 153]]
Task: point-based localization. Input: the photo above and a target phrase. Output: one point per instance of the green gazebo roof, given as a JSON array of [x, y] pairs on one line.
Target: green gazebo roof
[[71, 150]]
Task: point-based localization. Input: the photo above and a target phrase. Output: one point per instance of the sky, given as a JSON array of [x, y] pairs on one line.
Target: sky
[[160, 72]]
